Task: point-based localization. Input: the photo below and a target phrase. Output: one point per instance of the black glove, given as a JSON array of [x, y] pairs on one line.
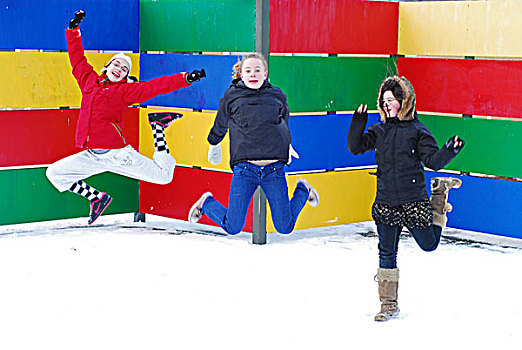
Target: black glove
[[455, 140], [355, 132], [78, 17], [196, 75], [361, 113]]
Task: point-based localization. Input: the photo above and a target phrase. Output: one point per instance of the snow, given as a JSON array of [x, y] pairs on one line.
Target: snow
[[115, 287]]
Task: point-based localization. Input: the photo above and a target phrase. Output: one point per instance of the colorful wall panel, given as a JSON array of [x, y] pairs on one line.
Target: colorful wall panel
[[175, 199], [204, 94], [318, 84], [43, 80], [321, 142], [345, 197], [203, 25], [492, 146], [38, 137], [475, 87], [476, 28], [336, 27], [40, 24], [33, 198], [186, 138], [485, 205]]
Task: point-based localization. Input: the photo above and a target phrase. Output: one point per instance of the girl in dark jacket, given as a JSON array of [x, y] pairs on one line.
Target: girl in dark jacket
[[105, 98], [256, 114], [402, 143]]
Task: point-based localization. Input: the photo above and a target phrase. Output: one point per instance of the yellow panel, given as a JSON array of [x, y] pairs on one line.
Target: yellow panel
[[345, 197], [186, 137], [461, 28], [44, 79]]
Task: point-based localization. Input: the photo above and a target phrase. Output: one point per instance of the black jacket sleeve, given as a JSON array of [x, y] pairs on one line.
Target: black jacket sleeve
[[285, 114], [359, 142], [430, 154], [220, 128]]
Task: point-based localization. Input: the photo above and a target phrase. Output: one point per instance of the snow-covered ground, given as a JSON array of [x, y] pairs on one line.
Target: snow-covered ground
[[115, 287]]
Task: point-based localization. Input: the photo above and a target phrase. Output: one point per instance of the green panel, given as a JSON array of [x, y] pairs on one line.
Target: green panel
[[492, 146], [316, 84], [28, 196], [203, 25]]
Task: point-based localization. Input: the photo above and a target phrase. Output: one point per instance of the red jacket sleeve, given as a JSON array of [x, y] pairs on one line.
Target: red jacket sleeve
[[142, 91], [81, 69]]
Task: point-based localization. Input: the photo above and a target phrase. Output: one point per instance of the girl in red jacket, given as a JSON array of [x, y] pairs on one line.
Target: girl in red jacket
[[105, 99]]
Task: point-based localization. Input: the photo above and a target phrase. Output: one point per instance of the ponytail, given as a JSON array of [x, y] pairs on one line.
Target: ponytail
[[236, 70]]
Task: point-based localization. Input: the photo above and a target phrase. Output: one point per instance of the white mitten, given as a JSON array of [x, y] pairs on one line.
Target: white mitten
[[214, 154], [292, 153]]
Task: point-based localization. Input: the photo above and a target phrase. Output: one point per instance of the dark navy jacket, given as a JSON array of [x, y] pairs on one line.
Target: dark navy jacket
[[257, 120], [400, 149]]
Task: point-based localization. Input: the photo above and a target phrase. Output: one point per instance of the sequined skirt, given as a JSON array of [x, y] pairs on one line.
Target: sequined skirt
[[414, 214]]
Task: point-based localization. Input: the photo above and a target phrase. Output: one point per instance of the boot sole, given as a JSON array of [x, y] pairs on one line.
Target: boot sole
[[384, 317]]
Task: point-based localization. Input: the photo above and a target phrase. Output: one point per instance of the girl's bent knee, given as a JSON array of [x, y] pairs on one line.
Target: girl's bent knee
[[232, 232], [50, 173], [57, 180], [429, 248], [285, 232]]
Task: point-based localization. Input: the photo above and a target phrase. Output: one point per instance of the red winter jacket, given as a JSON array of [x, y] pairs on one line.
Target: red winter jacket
[[105, 102]]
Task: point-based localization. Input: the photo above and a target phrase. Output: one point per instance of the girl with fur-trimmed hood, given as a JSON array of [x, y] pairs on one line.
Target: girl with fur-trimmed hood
[[402, 144]]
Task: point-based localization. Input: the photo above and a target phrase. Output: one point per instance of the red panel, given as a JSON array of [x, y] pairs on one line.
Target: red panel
[[334, 26], [44, 136], [465, 86], [175, 199]]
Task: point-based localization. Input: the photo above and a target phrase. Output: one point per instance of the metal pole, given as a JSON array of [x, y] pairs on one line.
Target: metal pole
[[261, 46], [259, 220], [262, 23]]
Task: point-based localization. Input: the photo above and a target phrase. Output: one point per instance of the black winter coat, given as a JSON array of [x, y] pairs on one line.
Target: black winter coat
[[401, 146], [257, 120]]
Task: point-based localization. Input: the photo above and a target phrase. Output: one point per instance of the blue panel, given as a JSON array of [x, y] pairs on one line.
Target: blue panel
[[204, 94], [40, 24], [485, 205], [321, 141]]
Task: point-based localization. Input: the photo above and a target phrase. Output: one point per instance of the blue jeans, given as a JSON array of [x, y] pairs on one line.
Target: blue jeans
[[247, 177], [427, 238]]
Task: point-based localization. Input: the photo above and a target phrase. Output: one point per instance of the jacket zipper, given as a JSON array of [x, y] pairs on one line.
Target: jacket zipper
[[120, 132], [396, 189]]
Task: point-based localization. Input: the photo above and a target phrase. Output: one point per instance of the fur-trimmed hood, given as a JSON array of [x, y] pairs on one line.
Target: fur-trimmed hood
[[407, 111]]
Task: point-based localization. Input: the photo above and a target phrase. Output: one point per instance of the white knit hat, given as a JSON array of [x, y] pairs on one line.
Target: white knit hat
[[121, 56]]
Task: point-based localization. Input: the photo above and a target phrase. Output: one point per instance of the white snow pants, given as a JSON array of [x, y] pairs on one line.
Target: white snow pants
[[124, 161]]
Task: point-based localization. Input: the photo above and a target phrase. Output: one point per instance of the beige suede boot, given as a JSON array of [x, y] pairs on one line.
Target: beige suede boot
[[440, 187], [388, 280]]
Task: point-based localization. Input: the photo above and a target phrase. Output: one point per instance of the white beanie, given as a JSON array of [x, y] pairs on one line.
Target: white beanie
[[121, 56]]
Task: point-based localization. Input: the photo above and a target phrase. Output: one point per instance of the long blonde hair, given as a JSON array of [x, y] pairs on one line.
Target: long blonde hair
[[239, 65]]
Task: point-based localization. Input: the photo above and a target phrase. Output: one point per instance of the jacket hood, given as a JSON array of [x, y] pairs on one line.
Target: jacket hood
[[407, 111]]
